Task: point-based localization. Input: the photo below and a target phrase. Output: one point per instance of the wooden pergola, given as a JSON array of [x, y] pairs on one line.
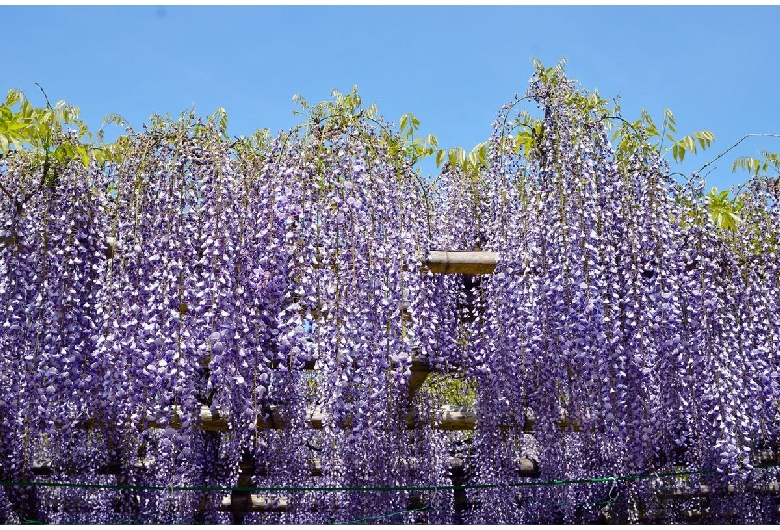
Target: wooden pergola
[[446, 418]]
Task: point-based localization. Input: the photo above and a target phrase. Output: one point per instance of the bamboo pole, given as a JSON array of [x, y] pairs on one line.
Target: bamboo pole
[[437, 261], [524, 467], [266, 503], [449, 262], [446, 418]]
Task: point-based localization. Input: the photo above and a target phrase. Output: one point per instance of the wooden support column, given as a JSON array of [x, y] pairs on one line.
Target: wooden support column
[[241, 501]]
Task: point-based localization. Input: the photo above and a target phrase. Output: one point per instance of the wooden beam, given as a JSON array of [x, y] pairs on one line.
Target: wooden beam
[[256, 503], [437, 261], [419, 373], [242, 502], [447, 418], [265, 503], [449, 262], [525, 467]]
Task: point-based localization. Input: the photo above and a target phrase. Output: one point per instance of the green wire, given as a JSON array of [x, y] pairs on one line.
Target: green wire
[[557, 482]]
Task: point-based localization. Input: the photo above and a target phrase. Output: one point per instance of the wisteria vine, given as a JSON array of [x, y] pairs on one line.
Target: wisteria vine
[[202, 316]]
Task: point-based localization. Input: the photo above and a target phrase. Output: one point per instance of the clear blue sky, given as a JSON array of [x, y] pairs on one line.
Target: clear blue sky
[[716, 68]]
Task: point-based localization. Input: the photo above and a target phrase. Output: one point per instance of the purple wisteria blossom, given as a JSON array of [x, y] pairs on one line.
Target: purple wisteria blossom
[[204, 317]]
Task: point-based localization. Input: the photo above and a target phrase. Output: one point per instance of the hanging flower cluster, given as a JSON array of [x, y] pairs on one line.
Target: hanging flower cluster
[[202, 316], [620, 322], [190, 285]]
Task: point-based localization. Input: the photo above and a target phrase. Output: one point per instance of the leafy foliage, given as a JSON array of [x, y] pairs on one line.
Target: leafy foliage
[[49, 135], [723, 210], [180, 274], [756, 166]]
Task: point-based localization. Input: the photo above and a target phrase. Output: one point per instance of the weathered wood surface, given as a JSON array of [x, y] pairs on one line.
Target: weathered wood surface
[[525, 467], [437, 261], [265, 503], [419, 373], [256, 503], [447, 418], [449, 262], [241, 502], [703, 490]]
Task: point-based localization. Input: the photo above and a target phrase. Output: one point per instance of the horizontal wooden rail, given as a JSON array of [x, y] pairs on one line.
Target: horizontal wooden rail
[[447, 418], [437, 261], [255, 503], [448, 262], [244, 502], [525, 467], [703, 490], [266, 503]]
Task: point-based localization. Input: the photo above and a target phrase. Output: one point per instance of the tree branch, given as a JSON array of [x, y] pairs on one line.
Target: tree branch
[[735, 145]]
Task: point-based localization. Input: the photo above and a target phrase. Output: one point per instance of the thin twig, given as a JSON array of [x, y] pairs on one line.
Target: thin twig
[[4, 190], [735, 145], [48, 104]]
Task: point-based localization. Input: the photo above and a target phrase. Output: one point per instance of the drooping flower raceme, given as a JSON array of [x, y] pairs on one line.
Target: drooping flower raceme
[[208, 313]]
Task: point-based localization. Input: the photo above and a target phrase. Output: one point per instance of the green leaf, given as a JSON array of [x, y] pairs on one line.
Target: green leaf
[[648, 119], [678, 152], [13, 97], [404, 122], [528, 145], [652, 130], [15, 125], [668, 116], [27, 109], [705, 138], [60, 154], [82, 152], [460, 156], [3, 144], [457, 157], [439, 157], [751, 165]]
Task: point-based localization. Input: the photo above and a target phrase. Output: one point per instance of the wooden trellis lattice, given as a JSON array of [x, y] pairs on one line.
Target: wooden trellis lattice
[[447, 418]]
